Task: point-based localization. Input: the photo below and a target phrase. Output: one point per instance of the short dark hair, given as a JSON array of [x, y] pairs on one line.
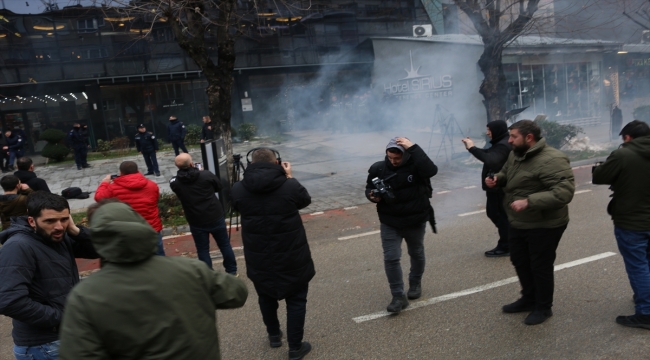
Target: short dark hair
[[9, 182], [263, 155], [128, 168], [526, 127], [42, 200], [394, 150], [635, 129], [94, 207], [24, 163]]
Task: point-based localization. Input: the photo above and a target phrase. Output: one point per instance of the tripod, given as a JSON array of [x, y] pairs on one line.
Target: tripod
[[237, 170]]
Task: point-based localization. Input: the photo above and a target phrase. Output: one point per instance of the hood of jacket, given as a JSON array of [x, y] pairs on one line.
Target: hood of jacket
[[188, 176], [121, 235], [405, 154], [135, 181], [263, 177], [19, 224], [499, 130], [640, 145]]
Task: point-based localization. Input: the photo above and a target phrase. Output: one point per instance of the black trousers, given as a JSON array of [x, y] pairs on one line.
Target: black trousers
[[296, 310], [497, 214], [532, 252], [179, 144]]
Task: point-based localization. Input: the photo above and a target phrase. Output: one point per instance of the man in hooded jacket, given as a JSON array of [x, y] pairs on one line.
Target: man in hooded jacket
[[493, 156], [627, 170], [141, 306], [278, 259], [403, 212]]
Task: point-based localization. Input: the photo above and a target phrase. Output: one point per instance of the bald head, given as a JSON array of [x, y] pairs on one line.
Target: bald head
[[183, 161]]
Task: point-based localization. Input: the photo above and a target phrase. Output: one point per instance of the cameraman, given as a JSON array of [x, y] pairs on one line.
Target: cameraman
[[403, 209]]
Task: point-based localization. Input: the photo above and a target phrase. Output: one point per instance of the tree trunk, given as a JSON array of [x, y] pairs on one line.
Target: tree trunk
[[494, 86]]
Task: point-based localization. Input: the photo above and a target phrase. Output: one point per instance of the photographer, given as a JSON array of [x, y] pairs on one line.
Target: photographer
[[404, 208], [196, 190]]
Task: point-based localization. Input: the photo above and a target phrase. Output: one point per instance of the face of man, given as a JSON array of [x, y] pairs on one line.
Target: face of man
[[76, 126], [395, 159], [206, 120], [172, 118], [142, 129], [520, 144], [51, 225], [7, 133], [489, 133]]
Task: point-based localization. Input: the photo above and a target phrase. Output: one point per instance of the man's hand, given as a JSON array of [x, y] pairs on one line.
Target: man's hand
[[202, 141], [24, 186], [468, 143], [72, 229], [491, 182], [107, 179], [519, 205], [404, 142], [5, 147], [287, 168], [374, 198]]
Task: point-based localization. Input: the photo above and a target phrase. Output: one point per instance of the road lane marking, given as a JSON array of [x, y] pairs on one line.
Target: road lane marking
[[317, 213], [443, 192], [581, 192], [469, 187], [350, 208], [359, 235], [474, 290], [472, 213]]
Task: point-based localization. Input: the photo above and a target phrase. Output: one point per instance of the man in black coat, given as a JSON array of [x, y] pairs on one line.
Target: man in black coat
[[404, 210], [207, 132], [147, 145], [278, 259], [78, 140], [493, 157], [27, 175], [38, 270], [176, 134], [15, 147]]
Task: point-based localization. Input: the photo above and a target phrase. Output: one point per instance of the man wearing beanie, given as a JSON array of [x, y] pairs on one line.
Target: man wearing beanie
[[493, 156], [404, 210]]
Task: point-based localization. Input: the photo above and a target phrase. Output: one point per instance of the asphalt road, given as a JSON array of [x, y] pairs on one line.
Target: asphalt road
[[350, 284]]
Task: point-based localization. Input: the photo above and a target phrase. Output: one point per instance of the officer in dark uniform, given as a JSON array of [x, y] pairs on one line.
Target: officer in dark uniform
[[15, 146], [78, 140], [4, 154], [176, 133], [147, 145], [207, 132]]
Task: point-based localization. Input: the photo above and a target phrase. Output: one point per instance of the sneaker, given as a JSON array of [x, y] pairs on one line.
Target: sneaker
[[157, 174], [86, 166], [397, 304], [148, 173], [520, 305], [538, 316], [415, 290], [275, 340], [305, 348], [497, 252], [636, 320]]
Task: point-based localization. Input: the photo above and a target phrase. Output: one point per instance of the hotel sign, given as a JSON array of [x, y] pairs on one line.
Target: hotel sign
[[417, 86]]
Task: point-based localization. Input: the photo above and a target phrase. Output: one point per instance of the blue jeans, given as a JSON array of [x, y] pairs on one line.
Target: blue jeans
[[151, 161], [391, 242], [635, 249], [13, 155], [49, 351], [161, 249], [201, 235]]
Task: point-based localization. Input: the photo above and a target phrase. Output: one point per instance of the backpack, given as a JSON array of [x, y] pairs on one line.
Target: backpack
[[74, 193]]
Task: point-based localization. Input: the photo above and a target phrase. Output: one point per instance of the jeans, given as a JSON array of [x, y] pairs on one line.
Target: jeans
[[635, 249], [296, 310], [161, 248], [13, 155], [179, 143], [391, 242], [532, 252], [151, 161], [49, 351], [201, 235], [497, 214]]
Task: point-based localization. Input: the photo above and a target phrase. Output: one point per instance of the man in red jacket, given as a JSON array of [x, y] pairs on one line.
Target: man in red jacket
[[139, 192]]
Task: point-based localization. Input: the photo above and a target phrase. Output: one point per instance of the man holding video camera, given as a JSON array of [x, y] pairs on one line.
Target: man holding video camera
[[401, 187]]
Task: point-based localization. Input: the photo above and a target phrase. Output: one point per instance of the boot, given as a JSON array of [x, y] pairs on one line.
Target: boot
[[275, 340], [398, 304], [520, 305], [415, 290], [305, 348]]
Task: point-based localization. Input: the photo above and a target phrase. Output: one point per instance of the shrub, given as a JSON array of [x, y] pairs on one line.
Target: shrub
[[642, 113], [52, 136], [247, 131], [169, 206], [557, 135], [121, 144], [104, 146], [193, 135], [56, 152]]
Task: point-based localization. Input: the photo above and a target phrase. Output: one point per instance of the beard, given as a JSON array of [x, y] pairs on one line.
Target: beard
[[521, 149], [54, 236]]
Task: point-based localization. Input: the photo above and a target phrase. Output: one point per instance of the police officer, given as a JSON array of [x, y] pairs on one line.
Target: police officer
[[206, 132], [78, 140], [15, 146], [147, 145], [176, 132]]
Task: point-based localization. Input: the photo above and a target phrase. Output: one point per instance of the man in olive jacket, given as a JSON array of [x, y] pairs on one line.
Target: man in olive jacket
[[627, 170], [141, 306], [538, 184], [278, 259]]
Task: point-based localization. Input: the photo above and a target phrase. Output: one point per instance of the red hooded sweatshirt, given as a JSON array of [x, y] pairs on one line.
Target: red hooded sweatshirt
[[139, 192]]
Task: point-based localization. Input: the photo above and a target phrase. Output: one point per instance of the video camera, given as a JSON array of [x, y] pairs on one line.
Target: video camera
[[381, 189]]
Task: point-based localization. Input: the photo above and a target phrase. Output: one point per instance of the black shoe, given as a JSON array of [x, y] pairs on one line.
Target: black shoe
[[275, 340], [520, 305], [148, 173], [305, 348], [86, 166], [497, 252], [157, 174], [538, 316], [415, 290], [78, 167], [4, 171], [636, 320], [398, 304]]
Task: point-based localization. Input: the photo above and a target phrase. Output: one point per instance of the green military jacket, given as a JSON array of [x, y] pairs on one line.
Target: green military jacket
[[542, 175], [627, 170]]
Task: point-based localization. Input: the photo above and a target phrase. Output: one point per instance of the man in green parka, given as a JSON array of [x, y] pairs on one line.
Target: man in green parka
[[538, 184], [142, 306]]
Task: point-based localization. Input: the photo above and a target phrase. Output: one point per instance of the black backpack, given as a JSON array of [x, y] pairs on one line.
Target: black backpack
[[74, 193]]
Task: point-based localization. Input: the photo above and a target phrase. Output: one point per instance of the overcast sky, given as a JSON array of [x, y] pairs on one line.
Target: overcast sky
[[37, 7]]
